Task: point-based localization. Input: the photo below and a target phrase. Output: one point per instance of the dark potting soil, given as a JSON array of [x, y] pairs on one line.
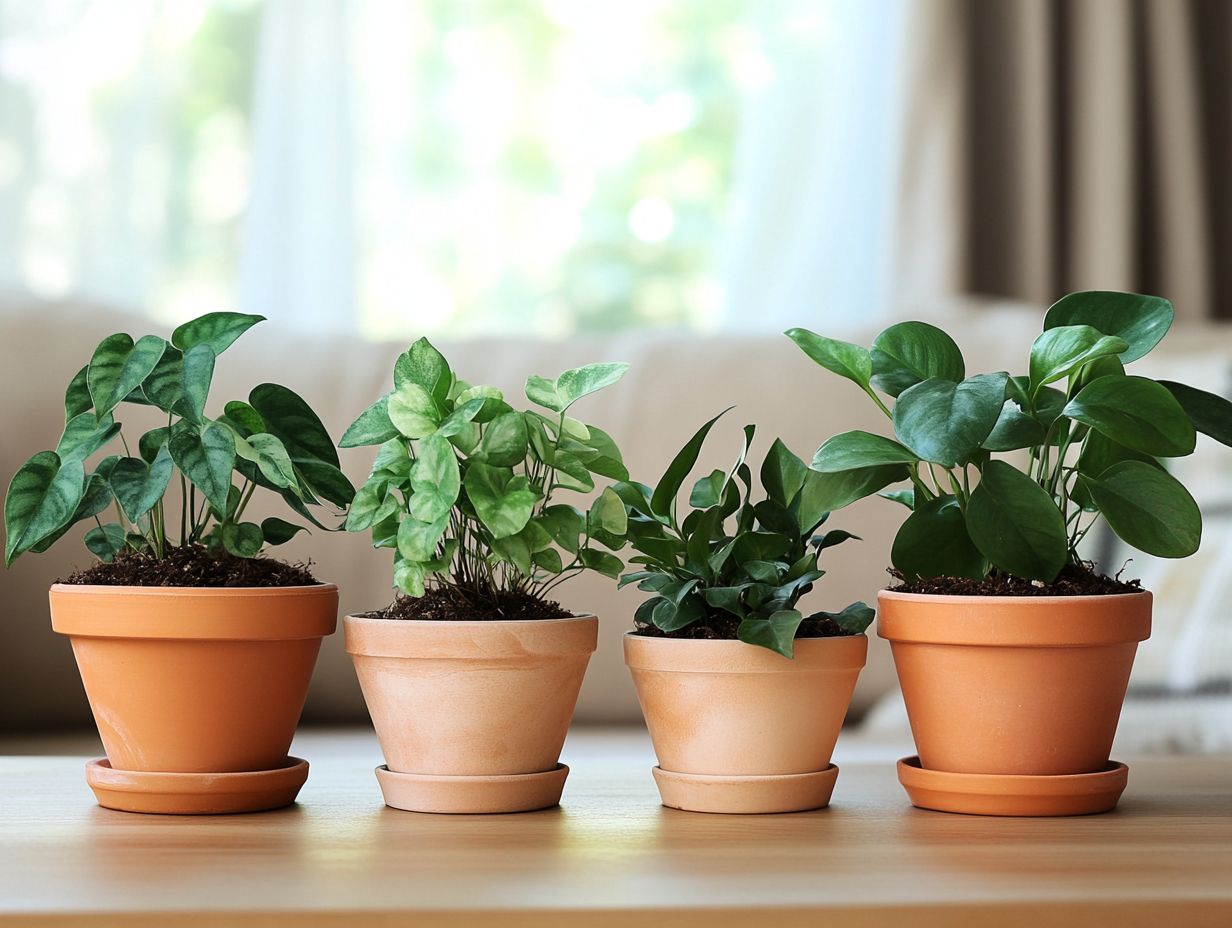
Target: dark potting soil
[[445, 604], [723, 628], [1073, 581], [193, 565]]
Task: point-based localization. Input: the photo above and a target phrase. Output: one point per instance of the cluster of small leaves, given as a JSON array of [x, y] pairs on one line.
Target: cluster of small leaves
[[273, 441], [730, 555], [1087, 440], [462, 486]]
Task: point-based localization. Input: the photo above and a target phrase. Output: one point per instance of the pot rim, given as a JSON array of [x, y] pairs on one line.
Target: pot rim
[[1043, 600], [1014, 621], [730, 655], [194, 613], [471, 639]]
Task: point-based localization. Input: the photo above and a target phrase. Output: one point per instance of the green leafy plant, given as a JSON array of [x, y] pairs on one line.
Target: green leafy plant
[[1085, 439], [730, 559], [463, 486], [274, 441]]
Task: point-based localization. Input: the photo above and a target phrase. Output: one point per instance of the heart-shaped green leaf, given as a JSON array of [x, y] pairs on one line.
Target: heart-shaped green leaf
[[242, 539], [435, 479], [164, 387], [417, 540], [206, 457], [912, 352], [292, 420], [278, 531], [42, 497], [271, 457], [106, 541], [502, 502], [1141, 321], [84, 435], [412, 411], [824, 493], [933, 542], [504, 440], [608, 513], [77, 397], [778, 632], [854, 619], [782, 474], [218, 331], [197, 370], [426, 368], [664, 498], [118, 367], [138, 486], [946, 422], [1015, 523], [1136, 412], [1148, 508]]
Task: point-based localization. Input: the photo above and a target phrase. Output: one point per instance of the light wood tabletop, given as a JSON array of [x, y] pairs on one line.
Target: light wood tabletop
[[612, 856]]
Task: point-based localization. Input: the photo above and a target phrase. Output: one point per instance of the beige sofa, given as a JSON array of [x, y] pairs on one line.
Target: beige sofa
[[678, 379]]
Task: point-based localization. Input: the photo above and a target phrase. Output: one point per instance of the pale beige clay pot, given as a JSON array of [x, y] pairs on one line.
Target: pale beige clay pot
[[1020, 695], [196, 692], [471, 716], [737, 728]]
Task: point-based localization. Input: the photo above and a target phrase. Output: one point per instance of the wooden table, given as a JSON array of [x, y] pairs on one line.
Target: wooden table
[[612, 856]]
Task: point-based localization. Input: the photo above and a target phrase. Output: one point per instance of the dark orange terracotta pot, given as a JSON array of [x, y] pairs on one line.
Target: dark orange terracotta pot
[[194, 680], [1015, 686]]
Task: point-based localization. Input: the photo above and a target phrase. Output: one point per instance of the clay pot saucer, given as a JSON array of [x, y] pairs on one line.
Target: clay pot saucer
[[196, 793], [472, 795], [1015, 795], [750, 795]]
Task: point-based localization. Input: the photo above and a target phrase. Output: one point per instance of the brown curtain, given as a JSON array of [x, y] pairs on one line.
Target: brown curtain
[[1056, 145]]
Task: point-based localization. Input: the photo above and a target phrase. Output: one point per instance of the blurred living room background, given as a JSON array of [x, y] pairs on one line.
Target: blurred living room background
[[536, 185]]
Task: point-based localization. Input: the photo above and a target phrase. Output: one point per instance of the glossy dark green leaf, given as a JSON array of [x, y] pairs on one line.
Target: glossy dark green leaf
[[946, 422], [218, 331], [1210, 414], [293, 421], [912, 352], [271, 457], [856, 450], [708, 490], [601, 562], [1140, 320], [41, 499], [1148, 508], [782, 474], [138, 486], [1099, 452], [325, 480], [504, 440], [842, 358], [1059, 351], [854, 619], [824, 493], [664, 498], [278, 531], [608, 513], [933, 542], [565, 524], [164, 387], [118, 367], [778, 632], [243, 418], [902, 497], [1016, 524], [1136, 412]]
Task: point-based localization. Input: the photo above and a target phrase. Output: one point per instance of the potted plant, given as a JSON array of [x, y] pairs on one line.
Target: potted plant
[[1013, 652], [743, 693], [195, 651], [471, 675]]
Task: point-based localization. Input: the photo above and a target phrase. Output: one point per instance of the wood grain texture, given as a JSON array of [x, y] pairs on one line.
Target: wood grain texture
[[611, 856]]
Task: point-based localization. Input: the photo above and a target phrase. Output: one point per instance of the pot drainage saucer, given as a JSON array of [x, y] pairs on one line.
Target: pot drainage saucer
[[750, 795], [196, 793], [519, 792], [1000, 794]]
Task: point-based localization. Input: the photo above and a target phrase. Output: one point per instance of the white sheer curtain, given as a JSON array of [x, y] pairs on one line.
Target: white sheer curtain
[[817, 167]]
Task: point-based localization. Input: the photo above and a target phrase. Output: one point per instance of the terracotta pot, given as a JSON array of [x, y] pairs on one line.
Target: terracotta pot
[[738, 728], [471, 716], [1016, 686], [191, 680]]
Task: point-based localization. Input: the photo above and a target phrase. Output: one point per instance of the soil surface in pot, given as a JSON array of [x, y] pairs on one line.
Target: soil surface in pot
[[1073, 581], [723, 628], [444, 604], [193, 566]]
